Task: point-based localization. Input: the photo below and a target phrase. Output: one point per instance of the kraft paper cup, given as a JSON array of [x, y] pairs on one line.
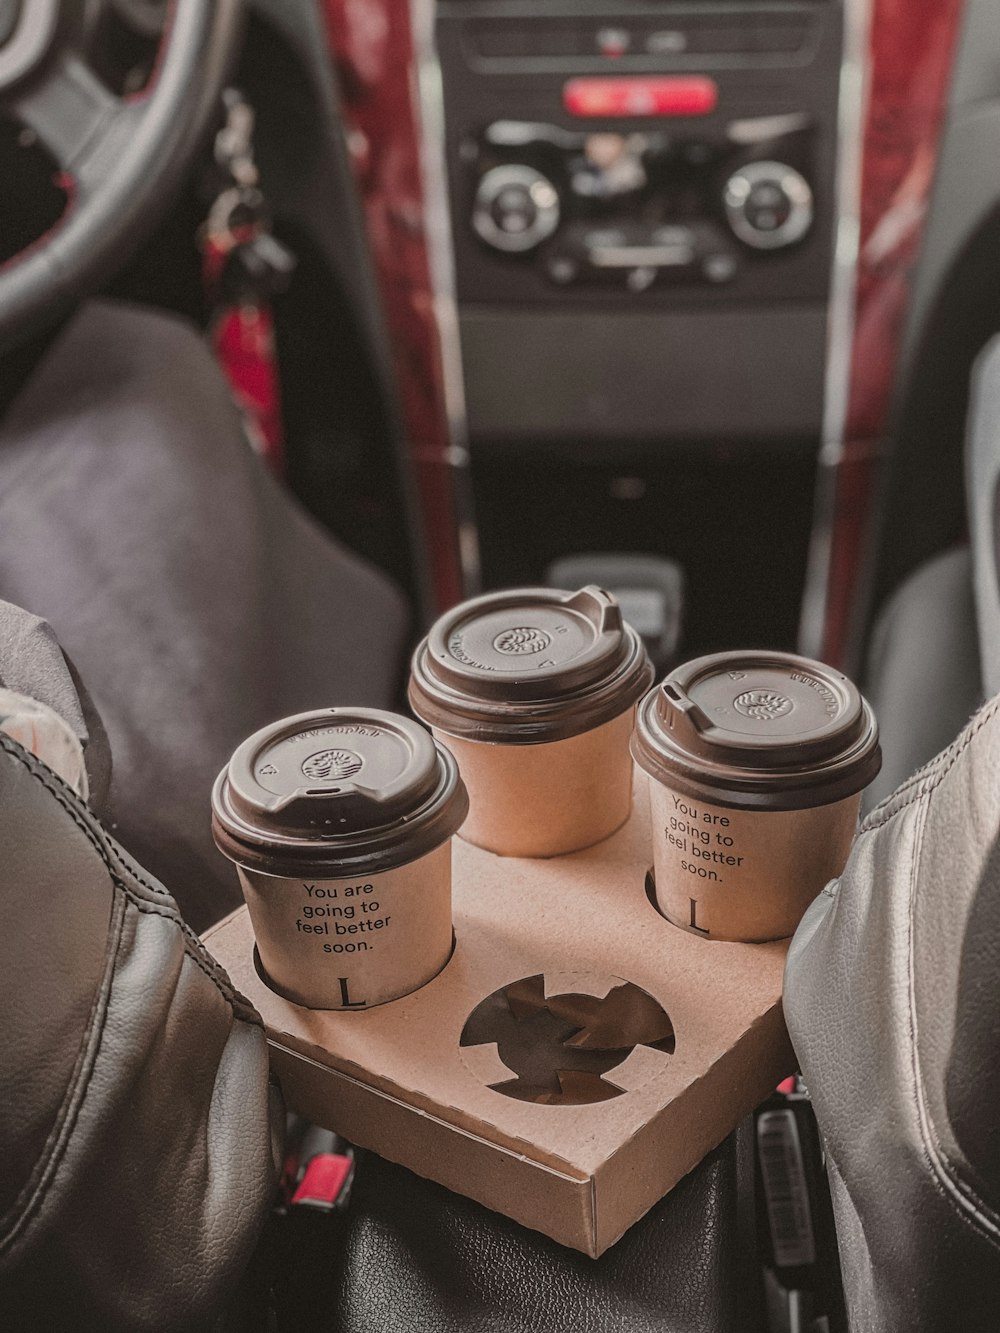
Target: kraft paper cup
[[340, 824], [756, 764], [533, 691]]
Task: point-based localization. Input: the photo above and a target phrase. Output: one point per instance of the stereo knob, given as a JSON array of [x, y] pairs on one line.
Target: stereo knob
[[516, 208], [769, 205]]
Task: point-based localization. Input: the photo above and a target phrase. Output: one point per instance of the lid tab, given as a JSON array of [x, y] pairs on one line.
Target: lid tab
[[681, 715], [599, 606]]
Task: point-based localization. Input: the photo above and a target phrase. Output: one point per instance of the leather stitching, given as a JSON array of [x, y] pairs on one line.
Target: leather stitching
[[31, 1197], [194, 949], [233, 997], [956, 1192], [930, 776], [135, 871]]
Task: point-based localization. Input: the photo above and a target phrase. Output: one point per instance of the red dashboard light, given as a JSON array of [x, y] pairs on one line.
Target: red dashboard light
[[639, 96]]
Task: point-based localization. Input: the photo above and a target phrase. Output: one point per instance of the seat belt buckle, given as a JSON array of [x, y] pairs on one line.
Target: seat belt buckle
[[318, 1174], [802, 1282]]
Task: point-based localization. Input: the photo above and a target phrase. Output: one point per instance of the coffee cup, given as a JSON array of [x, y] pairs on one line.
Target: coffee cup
[[340, 824], [756, 764], [533, 691]]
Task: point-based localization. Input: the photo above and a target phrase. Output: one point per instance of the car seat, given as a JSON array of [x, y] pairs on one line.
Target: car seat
[[196, 597], [891, 985], [934, 652]]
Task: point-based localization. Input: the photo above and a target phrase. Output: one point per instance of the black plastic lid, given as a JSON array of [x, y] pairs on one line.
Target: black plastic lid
[[767, 730], [528, 665], [336, 791]]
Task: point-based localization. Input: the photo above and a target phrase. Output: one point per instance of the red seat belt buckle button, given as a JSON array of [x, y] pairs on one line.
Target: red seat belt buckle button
[[324, 1182]]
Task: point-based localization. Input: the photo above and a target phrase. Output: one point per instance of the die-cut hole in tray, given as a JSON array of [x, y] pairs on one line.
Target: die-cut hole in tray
[[559, 1047]]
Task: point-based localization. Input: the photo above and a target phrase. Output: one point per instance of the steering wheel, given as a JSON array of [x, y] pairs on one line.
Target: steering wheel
[[121, 157]]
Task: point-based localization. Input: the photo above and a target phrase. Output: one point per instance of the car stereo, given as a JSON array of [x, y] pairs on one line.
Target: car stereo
[[638, 208], [679, 151]]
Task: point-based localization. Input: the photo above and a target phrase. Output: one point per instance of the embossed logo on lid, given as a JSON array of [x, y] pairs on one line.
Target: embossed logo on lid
[[762, 705], [523, 639], [332, 764]]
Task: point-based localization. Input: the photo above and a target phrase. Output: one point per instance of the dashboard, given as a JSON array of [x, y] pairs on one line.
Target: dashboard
[[640, 199]]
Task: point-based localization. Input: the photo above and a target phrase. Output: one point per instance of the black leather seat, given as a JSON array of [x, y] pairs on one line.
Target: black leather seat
[[139, 1137]]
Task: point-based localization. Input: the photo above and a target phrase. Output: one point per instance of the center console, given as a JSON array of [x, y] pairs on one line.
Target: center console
[[642, 203]]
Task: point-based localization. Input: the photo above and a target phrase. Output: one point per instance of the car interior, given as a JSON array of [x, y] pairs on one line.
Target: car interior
[[319, 317]]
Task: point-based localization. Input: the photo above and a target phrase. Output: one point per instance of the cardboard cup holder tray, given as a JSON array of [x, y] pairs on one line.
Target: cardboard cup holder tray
[[574, 1059]]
